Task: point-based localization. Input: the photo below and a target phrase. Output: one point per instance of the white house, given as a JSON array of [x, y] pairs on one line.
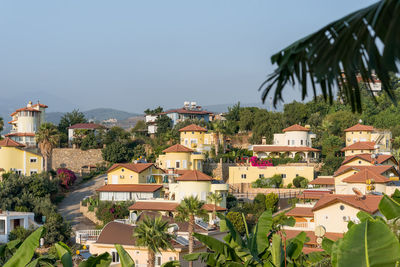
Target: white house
[[9, 220]]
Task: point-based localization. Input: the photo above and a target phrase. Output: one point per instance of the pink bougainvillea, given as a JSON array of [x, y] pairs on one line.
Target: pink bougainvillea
[[256, 162], [67, 177]]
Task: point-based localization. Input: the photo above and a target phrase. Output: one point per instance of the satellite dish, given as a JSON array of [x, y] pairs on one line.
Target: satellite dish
[[320, 231], [319, 240], [373, 156], [360, 120]]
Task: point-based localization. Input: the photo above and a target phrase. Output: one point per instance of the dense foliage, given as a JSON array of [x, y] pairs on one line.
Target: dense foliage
[[108, 211], [36, 194], [66, 176]]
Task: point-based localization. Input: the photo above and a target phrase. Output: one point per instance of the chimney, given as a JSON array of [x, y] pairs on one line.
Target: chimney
[[263, 140]]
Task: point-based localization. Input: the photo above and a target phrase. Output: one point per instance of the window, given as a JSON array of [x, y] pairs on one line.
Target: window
[[261, 176], [33, 160], [33, 172], [297, 175], [186, 142], [158, 261], [2, 227], [115, 256], [243, 176], [292, 142], [131, 176], [184, 164], [206, 141], [362, 151], [122, 170], [177, 164], [288, 142], [19, 172], [341, 207], [283, 175], [359, 162], [301, 142], [352, 151], [360, 132], [168, 163]]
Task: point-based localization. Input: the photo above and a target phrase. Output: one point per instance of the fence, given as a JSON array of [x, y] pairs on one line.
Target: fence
[[85, 236]]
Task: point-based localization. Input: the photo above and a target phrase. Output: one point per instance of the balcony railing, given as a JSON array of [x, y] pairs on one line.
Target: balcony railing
[[85, 236]]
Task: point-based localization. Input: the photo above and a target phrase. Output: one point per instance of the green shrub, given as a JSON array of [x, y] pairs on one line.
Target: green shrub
[[297, 181], [19, 233], [237, 220], [271, 201], [289, 185], [231, 201], [108, 211]]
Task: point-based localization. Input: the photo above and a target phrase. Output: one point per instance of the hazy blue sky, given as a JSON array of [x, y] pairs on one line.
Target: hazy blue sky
[[136, 54]]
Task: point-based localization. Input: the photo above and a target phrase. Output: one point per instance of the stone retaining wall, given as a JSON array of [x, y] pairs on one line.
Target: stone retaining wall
[[91, 215], [74, 159], [218, 170]]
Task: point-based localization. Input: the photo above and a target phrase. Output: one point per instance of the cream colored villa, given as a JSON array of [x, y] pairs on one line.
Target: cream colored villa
[[249, 174], [295, 140], [25, 122], [362, 139]]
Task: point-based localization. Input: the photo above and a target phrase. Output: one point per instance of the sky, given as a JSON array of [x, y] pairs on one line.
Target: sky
[[132, 55]]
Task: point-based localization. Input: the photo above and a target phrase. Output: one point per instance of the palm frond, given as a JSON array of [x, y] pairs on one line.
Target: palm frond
[[337, 53]]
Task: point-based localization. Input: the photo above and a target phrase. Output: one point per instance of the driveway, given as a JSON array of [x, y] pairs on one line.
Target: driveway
[[69, 206]]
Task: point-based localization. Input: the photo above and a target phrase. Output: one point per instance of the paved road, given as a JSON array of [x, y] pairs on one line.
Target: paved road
[[69, 206]]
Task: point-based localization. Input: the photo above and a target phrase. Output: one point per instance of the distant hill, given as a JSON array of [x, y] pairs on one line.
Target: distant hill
[[221, 108], [98, 115]]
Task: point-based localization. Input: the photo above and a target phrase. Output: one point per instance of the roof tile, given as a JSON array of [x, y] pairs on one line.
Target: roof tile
[[296, 127], [368, 203], [360, 127], [194, 175], [193, 128], [177, 148]]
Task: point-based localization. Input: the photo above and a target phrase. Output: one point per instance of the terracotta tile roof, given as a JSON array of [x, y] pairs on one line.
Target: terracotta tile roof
[[8, 142], [365, 174], [129, 188], [193, 128], [210, 207], [378, 169], [368, 203], [311, 235], [194, 176], [187, 111], [323, 181], [155, 206], [27, 109], [360, 127], [12, 114], [368, 157], [11, 122], [40, 105], [296, 127], [119, 233], [308, 250], [177, 148], [360, 146], [20, 134], [313, 194], [272, 148], [136, 167], [86, 126], [300, 212], [183, 226]]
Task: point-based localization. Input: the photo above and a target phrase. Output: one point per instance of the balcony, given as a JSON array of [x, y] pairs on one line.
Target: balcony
[[302, 226]]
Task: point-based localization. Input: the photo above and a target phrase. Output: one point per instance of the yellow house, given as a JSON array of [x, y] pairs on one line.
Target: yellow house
[[119, 233], [180, 157], [13, 157], [366, 139], [249, 174], [197, 138], [134, 173]]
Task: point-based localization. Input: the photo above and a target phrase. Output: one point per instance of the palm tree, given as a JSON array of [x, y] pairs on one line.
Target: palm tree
[[336, 54], [153, 234], [1, 125], [47, 138], [215, 198], [187, 210]]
